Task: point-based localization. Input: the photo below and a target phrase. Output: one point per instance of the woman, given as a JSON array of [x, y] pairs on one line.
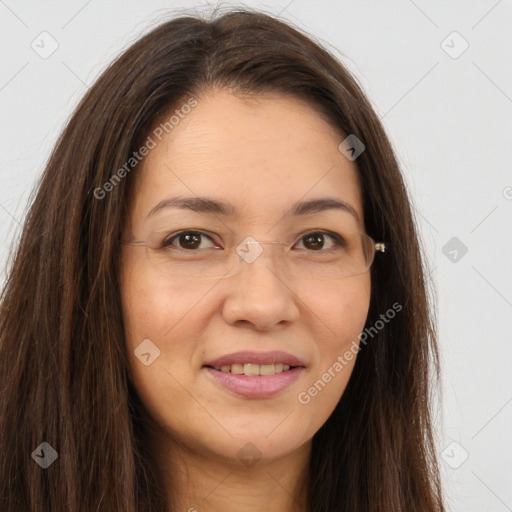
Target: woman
[[218, 301]]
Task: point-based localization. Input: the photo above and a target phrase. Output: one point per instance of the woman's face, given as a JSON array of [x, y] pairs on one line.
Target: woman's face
[[259, 157]]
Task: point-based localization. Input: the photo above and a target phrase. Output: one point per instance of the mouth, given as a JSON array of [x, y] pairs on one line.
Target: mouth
[[255, 375], [251, 369], [256, 363]]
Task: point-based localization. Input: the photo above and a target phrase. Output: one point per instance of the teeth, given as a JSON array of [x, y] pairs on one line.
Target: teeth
[[254, 369], [235, 368], [267, 369]]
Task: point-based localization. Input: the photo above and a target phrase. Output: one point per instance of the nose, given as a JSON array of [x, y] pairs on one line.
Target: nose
[[259, 294]]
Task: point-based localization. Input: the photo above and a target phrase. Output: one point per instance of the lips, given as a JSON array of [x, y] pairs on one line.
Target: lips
[[257, 358]]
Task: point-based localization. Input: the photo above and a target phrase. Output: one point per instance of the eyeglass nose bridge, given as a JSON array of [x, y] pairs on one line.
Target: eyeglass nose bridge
[[250, 255]]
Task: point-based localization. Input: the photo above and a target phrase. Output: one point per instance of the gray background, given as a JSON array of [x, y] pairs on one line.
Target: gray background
[[448, 115]]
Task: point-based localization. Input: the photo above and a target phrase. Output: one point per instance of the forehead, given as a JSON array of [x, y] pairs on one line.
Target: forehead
[[261, 155]]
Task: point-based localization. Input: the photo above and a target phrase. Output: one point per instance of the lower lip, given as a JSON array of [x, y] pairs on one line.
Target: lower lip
[[256, 386]]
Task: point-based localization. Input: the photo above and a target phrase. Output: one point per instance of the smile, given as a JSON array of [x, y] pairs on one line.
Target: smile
[[253, 369]]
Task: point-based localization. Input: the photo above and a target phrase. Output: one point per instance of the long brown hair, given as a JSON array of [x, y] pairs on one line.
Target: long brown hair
[[63, 363]]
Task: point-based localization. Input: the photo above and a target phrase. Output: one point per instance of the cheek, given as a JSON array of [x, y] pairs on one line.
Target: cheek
[[341, 315], [342, 309], [152, 308], [148, 315], [157, 323]]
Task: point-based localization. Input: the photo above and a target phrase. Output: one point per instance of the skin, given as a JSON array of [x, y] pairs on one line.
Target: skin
[[260, 155]]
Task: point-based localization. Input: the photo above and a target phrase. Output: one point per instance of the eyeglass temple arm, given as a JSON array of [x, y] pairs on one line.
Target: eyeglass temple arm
[[133, 243]]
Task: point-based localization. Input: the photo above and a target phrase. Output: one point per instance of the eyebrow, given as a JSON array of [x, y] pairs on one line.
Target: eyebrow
[[215, 207]]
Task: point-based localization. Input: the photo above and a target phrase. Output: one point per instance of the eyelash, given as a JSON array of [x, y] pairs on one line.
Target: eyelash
[[338, 239]]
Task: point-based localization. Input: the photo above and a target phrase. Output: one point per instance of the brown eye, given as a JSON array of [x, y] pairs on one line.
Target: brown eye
[[314, 241], [188, 240]]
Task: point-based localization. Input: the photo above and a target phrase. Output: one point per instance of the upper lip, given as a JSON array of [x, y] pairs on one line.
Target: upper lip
[[273, 357]]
